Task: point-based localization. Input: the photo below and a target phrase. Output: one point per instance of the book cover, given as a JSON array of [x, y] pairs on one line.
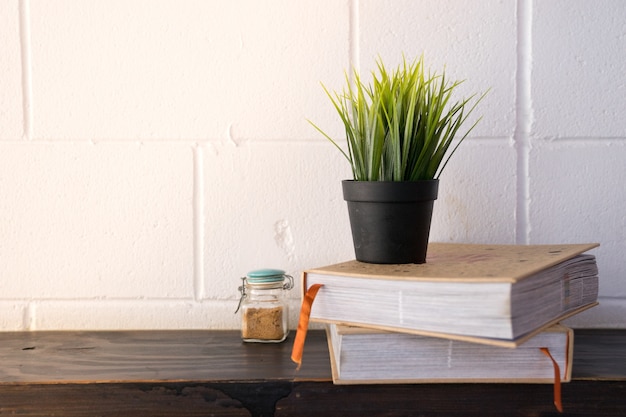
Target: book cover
[[493, 294], [368, 356]]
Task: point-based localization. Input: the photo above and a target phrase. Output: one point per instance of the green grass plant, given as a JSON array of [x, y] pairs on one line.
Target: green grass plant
[[401, 126]]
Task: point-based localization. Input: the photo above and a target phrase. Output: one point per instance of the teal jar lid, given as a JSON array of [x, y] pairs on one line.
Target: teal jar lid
[[265, 276]]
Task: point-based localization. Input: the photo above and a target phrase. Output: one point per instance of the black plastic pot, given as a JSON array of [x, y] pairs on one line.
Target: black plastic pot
[[390, 220]]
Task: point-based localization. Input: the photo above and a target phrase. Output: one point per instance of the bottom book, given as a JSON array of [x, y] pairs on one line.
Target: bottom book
[[367, 356]]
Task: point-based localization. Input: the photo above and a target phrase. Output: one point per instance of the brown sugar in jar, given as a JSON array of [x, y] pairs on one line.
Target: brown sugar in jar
[[263, 324], [264, 310]]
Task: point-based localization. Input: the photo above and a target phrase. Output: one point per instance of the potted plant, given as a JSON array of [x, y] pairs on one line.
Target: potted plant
[[401, 130]]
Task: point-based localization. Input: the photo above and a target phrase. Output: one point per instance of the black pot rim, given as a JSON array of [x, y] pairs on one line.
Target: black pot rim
[[388, 191]]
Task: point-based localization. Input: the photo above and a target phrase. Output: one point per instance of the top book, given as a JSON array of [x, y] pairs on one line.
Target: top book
[[495, 294]]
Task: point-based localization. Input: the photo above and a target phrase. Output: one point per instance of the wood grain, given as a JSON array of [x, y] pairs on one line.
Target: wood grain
[[149, 356], [204, 373]]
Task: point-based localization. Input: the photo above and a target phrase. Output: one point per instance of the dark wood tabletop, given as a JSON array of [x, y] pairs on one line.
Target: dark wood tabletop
[[203, 373], [148, 356]]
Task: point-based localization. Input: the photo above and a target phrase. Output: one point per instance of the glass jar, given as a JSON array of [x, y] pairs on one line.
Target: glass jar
[[264, 308]]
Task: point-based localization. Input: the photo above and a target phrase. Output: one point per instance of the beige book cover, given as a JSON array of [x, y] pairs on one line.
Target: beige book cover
[[466, 263]]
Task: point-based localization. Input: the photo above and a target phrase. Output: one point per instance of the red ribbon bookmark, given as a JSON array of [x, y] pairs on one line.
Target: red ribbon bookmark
[[303, 324]]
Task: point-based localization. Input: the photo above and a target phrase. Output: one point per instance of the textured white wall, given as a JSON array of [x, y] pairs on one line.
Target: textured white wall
[[154, 151]]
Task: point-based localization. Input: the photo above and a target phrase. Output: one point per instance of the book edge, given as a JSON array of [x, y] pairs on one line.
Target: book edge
[[565, 377], [464, 338]]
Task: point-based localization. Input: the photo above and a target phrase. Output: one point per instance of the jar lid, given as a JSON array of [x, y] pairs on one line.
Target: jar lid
[[265, 276]]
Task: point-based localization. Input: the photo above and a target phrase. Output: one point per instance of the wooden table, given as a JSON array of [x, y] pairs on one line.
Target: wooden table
[[204, 373]]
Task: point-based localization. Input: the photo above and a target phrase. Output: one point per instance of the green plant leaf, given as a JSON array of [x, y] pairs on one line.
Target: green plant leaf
[[402, 125]]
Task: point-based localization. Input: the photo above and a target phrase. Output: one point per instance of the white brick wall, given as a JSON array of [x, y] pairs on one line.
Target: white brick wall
[[154, 151]]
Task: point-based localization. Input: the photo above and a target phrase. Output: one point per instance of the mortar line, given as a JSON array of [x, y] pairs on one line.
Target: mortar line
[[523, 119], [354, 37], [198, 223], [25, 52]]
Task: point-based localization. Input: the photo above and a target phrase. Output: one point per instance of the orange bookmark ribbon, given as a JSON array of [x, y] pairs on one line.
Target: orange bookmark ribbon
[[303, 324], [557, 380]]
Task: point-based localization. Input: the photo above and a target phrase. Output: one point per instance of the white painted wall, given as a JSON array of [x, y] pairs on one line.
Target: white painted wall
[[154, 151]]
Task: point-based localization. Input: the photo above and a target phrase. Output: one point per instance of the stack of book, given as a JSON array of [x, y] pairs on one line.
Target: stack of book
[[471, 313]]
